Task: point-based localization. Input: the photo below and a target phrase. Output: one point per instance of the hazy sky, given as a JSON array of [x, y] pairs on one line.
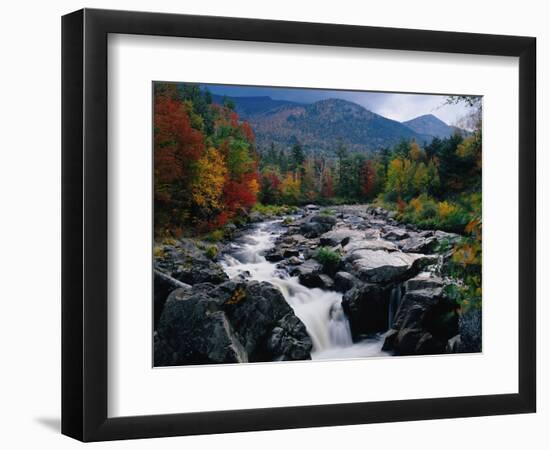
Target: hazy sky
[[399, 107]]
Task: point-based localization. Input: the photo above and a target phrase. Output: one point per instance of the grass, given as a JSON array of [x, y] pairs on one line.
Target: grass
[[328, 258]]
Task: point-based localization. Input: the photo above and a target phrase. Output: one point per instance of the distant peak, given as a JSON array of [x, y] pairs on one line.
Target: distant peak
[[425, 117]]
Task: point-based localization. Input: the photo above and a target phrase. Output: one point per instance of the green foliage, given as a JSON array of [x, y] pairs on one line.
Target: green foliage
[[215, 236], [328, 258], [274, 210], [212, 252]]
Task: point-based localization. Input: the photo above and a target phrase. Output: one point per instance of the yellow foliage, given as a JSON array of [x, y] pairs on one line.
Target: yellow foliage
[[415, 152], [416, 203], [445, 208], [291, 187], [208, 187], [254, 186]]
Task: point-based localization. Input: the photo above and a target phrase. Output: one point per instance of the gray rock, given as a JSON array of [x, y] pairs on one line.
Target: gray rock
[[419, 244], [289, 340], [425, 321], [366, 307], [341, 236], [424, 280], [163, 286], [231, 322], [453, 344], [344, 281], [469, 326], [379, 266], [307, 268], [395, 233], [369, 244]]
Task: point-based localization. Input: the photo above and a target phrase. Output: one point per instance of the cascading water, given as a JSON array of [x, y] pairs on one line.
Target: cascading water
[[395, 301], [320, 311]]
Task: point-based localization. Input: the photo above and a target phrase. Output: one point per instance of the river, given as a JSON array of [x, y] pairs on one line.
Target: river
[[320, 310]]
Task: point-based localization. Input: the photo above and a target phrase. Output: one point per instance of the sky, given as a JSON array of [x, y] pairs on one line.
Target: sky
[[394, 106]]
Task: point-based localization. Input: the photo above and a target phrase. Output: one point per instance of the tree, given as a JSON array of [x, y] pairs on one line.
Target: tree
[[297, 157], [207, 187], [369, 179], [327, 184], [271, 186], [291, 189]]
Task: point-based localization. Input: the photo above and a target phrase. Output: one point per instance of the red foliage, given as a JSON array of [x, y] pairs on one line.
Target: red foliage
[[327, 187], [248, 133], [177, 144], [239, 194], [368, 178]]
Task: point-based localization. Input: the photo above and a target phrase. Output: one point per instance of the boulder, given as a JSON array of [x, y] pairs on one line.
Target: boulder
[[369, 244], [344, 281], [424, 280], [232, 322], [317, 225], [424, 323], [275, 254], [163, 285], [395, 233], [194, 330], [289, 340], [341, 236], [366, 307], [188, 263], [378, 266], [417, 244], [307, 268], [196, 271]]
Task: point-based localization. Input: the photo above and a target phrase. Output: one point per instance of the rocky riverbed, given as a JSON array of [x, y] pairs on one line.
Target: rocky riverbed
[[263, 295]]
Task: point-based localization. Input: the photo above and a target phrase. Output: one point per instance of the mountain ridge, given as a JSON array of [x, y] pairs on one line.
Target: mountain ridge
[[323, 125]]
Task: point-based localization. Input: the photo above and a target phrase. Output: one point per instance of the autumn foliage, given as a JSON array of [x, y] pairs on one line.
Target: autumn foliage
[[205, 163]]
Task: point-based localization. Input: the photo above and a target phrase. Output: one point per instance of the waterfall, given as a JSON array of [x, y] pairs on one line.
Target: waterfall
[[320, 311], [395, 301]]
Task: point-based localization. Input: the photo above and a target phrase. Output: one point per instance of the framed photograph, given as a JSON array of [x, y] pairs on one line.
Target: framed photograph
[[273, 224]]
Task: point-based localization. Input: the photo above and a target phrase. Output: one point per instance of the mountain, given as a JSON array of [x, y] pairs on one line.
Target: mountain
[[431, 125], [250, 106], [320, 126]]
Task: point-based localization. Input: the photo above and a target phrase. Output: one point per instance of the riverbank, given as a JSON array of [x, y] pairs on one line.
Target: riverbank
[[380, 291]]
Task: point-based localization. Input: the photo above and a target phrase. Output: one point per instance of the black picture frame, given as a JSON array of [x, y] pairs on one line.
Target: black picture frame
[[84, 224]]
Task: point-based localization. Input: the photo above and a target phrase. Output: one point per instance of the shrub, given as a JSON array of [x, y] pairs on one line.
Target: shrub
[[328, 258], [215, 236], [212, 252]]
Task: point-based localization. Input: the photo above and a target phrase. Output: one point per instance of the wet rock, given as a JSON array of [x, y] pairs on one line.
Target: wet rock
[[231, 322], [289, 340], [453, 344], [311, 207], [366, 307], [424, 280], [194, 330], [344, 281], [197, 271], [188, 263], [274, 255], [469, 326], [294, 260], [307, 268], [163, 286], [425, 321]]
